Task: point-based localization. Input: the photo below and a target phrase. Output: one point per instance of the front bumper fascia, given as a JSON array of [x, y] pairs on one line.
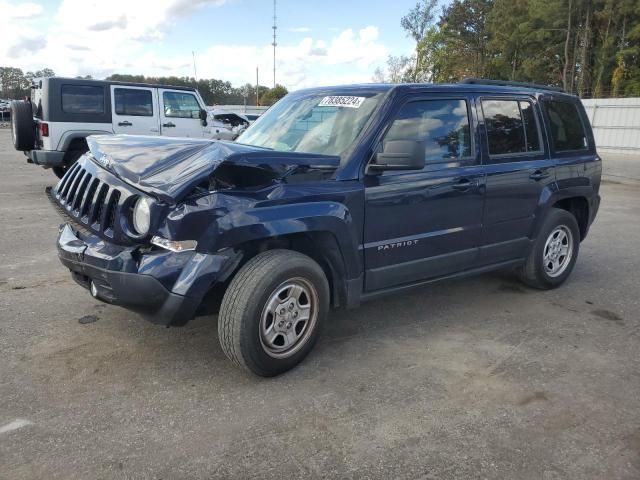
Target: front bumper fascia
[[165, 288]]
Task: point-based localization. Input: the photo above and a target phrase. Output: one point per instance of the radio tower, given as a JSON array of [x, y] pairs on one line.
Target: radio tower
[[275, 28]]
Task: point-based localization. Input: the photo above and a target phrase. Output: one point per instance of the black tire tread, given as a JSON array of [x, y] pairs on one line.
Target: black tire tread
[[530, 273], [239, 294]]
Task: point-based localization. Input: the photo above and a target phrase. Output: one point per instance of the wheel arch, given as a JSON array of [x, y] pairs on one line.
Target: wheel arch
[[320, 246], [574, 201], [578, 206], [77, 136]]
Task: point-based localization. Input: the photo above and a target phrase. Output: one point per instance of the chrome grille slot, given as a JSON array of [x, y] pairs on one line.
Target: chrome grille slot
[[64, 181], [96, 209], [110, 213], [69, 178], [74, 189], [82, 190], [91, 191]]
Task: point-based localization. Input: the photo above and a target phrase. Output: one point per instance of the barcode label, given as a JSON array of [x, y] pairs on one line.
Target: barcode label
[[342, 101]]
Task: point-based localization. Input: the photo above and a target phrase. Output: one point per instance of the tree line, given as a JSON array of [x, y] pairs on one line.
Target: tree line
[[16, 84], [587, 47]]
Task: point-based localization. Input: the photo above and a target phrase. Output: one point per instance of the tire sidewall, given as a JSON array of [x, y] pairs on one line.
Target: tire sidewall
[[556, 218], [250, 344]]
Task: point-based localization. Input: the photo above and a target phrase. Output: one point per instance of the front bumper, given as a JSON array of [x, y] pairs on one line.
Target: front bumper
[[46, 158], [165, 288]]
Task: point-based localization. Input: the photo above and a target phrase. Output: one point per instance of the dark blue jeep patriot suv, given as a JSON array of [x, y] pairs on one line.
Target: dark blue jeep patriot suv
[[334, 196]]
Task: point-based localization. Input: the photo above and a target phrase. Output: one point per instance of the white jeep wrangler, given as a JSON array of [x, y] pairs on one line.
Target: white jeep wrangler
[[52, 127]]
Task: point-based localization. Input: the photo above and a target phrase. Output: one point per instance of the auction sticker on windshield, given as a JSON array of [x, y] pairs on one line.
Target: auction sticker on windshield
[[342, 101]]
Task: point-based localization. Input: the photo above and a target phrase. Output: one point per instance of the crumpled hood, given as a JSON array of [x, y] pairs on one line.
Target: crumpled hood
[[169, 168]]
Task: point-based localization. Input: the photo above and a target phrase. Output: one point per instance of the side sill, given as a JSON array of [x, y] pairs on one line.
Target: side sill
[[467, 273]]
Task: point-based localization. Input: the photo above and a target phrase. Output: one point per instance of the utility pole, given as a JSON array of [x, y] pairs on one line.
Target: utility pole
[[195, 73], [257, 87], [275, 28]]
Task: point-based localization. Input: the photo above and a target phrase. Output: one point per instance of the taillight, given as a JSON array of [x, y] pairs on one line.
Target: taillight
[[44, 129]]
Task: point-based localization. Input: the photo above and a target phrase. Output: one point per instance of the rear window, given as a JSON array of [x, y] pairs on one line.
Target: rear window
[[567, 130], [511, 127], [82, 99], [134, 102]]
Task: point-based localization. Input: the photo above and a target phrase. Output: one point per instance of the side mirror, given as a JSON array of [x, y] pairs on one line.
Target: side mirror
[[203, 117], [398, 155]]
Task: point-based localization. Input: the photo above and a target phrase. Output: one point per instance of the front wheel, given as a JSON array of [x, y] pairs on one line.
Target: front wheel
[[554, 252], [272, 311]]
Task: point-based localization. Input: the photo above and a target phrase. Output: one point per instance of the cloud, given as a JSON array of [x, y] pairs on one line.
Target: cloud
[[345, 58], [20, 11], [84, 30], [26, 46], [120, 22], [83, 48], [300, 29], [186, 7], [138, 20]]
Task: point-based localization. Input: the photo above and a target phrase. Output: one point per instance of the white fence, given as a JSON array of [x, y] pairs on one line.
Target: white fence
[[615, 123]]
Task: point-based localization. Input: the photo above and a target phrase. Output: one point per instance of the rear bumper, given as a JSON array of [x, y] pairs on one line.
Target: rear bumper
[[46, 158], [165, 288]]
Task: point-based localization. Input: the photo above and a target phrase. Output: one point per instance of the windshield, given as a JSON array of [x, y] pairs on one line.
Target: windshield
[[312, 123]]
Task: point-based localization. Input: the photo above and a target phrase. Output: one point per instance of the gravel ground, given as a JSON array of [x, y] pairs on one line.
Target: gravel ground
[[478, 378]]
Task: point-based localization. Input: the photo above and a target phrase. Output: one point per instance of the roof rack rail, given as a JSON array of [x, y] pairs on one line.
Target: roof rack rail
[[507, 83]]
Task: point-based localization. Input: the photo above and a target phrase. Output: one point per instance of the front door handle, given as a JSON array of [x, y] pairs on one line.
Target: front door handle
[[539, 175], [126, 123], [464, 184], [168, 125]]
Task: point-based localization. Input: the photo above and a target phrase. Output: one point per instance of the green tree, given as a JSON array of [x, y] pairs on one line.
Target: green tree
[[273, 95], [398, 70], [417, 23], [464, 34]]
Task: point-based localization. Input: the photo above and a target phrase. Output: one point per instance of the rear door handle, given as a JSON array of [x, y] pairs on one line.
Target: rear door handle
[[126, 123], [168, 125], [539, 175], [464, 184]]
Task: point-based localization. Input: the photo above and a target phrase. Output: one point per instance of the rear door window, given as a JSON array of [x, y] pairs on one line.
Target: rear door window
[[134, 102], [567, 130], [511, 127], [84, 99]]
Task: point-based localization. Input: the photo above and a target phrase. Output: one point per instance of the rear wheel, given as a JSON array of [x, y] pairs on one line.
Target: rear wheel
[[554, 253], [272, 311], [71, 158], [23, 129]]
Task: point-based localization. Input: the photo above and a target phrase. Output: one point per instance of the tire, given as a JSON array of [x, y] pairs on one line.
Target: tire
[[257, 310], [71, 158], [554, 253], [23, 130]]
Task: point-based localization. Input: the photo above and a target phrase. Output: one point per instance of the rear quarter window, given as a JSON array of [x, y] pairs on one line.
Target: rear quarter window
[[565, 125], [511, 127], [83, 99]]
